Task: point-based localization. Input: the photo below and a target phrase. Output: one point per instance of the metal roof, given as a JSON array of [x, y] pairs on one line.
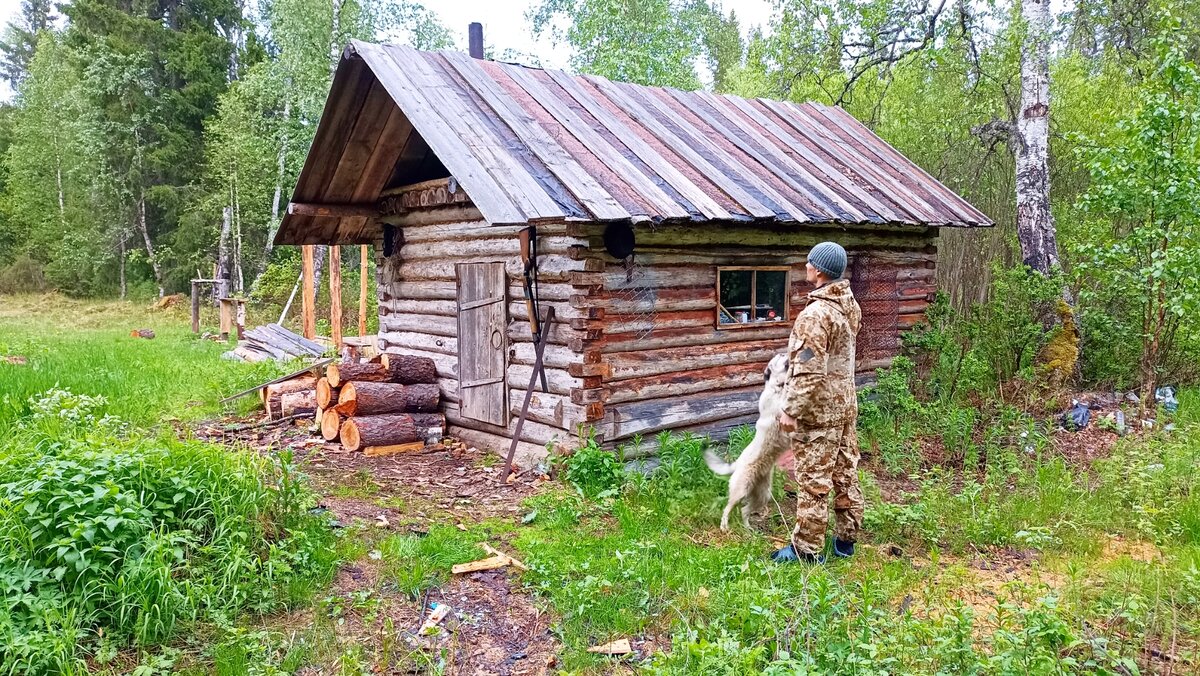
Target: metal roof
[[533, 145]]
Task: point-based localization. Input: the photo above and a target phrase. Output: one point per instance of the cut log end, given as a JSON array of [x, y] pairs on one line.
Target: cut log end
[[351, 439], [331, 424], [326, 395]]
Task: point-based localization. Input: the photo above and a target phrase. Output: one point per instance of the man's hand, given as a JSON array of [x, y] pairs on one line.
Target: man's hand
[[786, 422]]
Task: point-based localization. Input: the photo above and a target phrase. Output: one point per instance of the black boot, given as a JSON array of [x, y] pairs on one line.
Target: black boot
[[789, 555], [843, 549]]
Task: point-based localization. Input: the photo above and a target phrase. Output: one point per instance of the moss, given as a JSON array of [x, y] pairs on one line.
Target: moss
[[1059, 355]]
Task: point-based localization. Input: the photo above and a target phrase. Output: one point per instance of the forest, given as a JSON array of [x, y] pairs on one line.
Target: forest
[[1029, 459]]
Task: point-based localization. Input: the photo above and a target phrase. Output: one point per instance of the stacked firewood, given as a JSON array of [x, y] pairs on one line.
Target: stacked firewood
[[387, 405]]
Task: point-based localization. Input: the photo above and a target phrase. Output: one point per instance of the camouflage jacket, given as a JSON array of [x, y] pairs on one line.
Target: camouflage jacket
[[820, 388]]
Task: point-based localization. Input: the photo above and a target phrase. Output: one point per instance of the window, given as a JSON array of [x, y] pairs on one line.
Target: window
[[751, 296]]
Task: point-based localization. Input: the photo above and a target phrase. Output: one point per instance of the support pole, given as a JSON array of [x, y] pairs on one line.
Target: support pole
[[362, 292], [307, 309], [195, 306], [335, 296]]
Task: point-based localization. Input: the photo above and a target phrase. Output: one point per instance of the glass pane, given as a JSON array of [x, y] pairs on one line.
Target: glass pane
[[770, 295], [735, 296]]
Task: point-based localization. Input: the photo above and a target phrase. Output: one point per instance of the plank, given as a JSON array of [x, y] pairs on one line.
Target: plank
[[849, 158], [575, 178], [645, 188], [828, 199], [516, 180], [377, 451], [294, 338], [314, 368], [870, 170], [490, 563], [894, 158], [833, 177], [639, 114], [485, 192], [332, 210], [360, 144], [347, 94], [335, 296], [704, 203], [735, 167], [308, 311]]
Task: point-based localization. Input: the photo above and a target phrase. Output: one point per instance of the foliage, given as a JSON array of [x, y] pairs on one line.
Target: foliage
[[594, 471], [132, 539], [1140, 270]]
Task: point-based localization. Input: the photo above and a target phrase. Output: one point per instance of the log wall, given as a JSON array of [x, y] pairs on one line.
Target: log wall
[[635, 351], [418, 315], [673, 369]]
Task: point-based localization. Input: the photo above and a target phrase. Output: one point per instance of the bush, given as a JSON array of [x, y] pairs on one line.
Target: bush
[[132, 539], [594, 471], [23, 275]]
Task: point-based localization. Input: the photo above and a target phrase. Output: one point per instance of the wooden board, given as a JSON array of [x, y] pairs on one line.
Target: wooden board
[[376, 451], [483, 342]]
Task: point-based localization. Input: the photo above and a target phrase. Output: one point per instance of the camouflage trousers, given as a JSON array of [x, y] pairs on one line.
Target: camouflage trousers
[[826, 462]]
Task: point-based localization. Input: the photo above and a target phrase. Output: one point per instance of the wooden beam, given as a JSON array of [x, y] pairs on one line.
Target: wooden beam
[[362, 292], [335, 296], [308, 312], [333, 210]]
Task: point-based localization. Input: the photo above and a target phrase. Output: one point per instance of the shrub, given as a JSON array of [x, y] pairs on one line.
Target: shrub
[[23, 275], [133, 539], [594, 471]]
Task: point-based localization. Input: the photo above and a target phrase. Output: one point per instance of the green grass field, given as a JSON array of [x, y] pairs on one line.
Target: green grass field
[[125, 547]]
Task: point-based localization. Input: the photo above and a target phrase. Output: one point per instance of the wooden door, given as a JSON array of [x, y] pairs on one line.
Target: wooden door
[[483, 342]]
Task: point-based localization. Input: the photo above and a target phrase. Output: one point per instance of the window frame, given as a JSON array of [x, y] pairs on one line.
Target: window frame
[[754, 269]]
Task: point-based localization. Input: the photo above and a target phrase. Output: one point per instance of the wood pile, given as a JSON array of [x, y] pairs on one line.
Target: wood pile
[[272, 341], [377, 407]]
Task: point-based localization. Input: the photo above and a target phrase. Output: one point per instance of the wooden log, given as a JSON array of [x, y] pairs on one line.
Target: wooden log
[[326, 393], [386, 430], [371, 398], [297, 403], [317, 416], [273, 392], [307, 299], [338, 374], [331, 423], [376, 451], [408, 369], [362, 291], [335, 296]]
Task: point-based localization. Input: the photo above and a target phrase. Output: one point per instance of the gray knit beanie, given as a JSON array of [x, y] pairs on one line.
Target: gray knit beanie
[[830, 258]]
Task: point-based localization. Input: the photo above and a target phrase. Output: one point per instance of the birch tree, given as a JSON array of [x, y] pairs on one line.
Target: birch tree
[[1035, 222]]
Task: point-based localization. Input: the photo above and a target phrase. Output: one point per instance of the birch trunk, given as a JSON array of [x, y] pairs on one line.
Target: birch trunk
[[1035, 223], [279, 176], [145, 230], [121, 252], [222, 289], [238, 279], [318, 266]]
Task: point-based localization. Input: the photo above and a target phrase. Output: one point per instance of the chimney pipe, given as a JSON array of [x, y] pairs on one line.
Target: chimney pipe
[[475, 39]]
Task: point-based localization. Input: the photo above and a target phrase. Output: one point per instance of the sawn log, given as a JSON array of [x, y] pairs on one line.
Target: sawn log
[[326, 394], [368, 398], [386, 430], [331, 424], [297, 403]]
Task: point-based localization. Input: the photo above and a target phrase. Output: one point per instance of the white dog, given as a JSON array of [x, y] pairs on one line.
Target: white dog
[[753, 470]]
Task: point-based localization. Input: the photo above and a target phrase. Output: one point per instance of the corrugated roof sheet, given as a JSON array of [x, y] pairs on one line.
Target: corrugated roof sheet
[[532, 145]]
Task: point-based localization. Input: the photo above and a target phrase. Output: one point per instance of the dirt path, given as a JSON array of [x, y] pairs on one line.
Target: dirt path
[[493, 627]]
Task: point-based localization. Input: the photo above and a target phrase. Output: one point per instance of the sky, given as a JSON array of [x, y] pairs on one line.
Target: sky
[[504, 25]]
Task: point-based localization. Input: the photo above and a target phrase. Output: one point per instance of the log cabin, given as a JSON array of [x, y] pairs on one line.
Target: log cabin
[[668, 231]]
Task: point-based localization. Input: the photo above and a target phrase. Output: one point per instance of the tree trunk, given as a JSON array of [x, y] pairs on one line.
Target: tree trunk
[[281, 173], [368, 398], [122, 253], [223, 253], [385, 430], [318, 265], [238, 279], [145, 230], [1155, 320], [1035, 223]]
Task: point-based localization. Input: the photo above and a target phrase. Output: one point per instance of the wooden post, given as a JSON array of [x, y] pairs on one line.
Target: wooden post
[[308, 312], [226, 316], [241, 319], [335, 296], [362, 292], [195, 306]]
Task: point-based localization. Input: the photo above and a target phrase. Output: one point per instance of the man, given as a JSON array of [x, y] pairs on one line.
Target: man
[[820, 409]]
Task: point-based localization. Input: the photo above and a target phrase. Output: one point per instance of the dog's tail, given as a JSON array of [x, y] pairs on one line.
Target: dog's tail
[[717, 465]]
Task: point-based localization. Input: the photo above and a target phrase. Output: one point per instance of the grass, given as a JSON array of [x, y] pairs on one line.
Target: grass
[[127, 548]]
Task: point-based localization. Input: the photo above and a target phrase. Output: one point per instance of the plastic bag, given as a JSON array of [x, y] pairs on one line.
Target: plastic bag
[[1166, 397], [1078, 417]]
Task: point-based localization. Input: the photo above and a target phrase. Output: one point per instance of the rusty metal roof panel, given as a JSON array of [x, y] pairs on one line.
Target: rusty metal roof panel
[[532, 145]]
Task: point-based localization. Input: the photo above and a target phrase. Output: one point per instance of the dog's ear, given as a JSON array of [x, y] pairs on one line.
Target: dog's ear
[[767, 372]]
